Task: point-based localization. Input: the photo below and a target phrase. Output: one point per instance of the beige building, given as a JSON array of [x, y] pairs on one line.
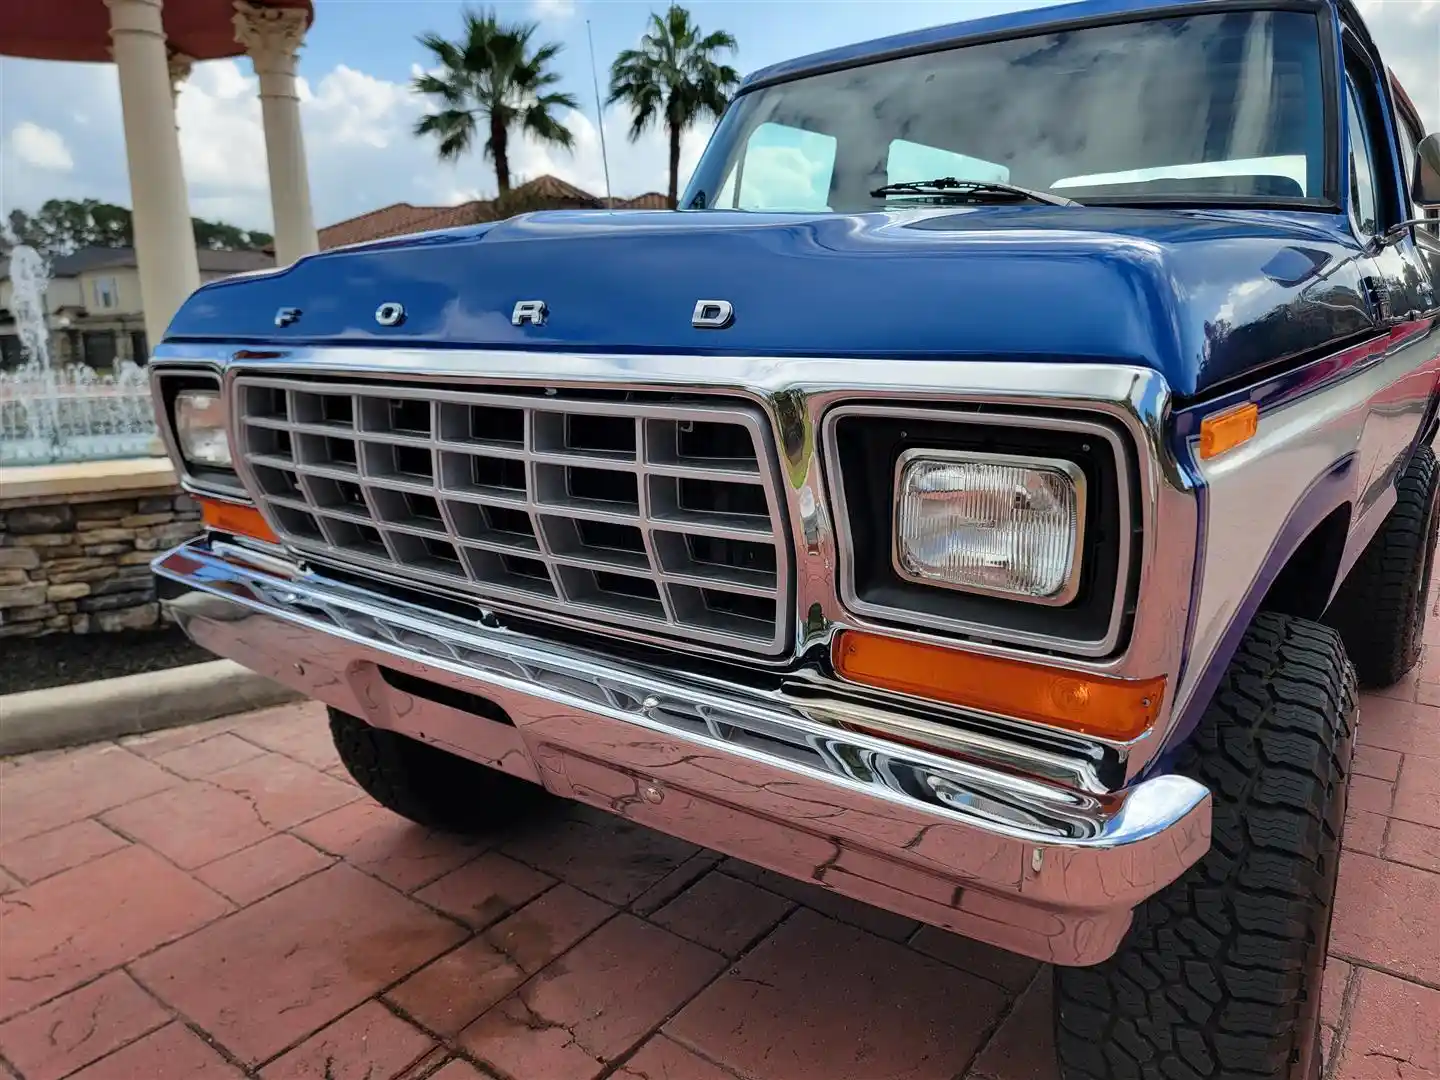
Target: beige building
[[95, 308]]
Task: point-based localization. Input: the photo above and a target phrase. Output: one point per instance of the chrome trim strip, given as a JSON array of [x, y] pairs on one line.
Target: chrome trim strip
[[158, 370], [1071, 761], [795, 394], [944, 840]]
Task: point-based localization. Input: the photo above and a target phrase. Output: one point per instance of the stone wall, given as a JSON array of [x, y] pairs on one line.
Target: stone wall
[[82, 565]]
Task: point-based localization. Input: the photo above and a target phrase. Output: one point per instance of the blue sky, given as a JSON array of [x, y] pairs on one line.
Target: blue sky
[[378, 36], [60, 132]]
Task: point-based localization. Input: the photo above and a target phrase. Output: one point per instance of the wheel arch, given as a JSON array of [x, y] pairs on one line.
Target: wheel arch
[[1308, 579], [1319, 521]]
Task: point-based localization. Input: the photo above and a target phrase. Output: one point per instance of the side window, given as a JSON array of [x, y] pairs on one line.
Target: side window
[[1409, 141], [783, 168], [1363, 184]]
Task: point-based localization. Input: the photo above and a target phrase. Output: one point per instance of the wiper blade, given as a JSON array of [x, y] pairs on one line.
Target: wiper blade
[[948, 185]]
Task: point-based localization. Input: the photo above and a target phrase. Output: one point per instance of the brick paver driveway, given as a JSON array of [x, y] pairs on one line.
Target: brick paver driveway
[[220, 901]]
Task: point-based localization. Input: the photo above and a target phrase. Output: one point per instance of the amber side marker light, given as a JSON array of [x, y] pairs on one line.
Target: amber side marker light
[[236, 520], [1228, 429], [1090, 704]]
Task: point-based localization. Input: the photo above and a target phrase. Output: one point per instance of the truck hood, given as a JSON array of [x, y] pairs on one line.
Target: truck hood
[[1200, 296]]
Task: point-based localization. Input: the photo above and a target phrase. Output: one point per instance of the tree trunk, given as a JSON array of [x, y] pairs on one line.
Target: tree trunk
[[500, 151], [674, 165]]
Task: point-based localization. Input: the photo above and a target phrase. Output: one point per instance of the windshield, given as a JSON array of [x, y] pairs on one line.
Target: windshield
[[1183, 109]]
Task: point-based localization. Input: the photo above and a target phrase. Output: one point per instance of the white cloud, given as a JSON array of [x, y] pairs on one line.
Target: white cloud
[[555, 10], [1408, 34], [362, 152], [40, 148], [360, 146]]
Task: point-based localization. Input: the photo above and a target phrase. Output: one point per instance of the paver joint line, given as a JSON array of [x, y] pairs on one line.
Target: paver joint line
[[666, 886]]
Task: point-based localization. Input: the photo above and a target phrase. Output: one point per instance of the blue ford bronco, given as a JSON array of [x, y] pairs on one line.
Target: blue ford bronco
[[982, 498]]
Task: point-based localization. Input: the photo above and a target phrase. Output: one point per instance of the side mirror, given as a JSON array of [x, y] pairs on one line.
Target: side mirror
[[1427, 173]]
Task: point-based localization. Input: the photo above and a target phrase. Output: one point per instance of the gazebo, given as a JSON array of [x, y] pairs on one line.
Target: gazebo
[[153, 45]]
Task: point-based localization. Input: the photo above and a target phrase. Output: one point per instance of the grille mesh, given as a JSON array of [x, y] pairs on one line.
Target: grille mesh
[[662, 518]]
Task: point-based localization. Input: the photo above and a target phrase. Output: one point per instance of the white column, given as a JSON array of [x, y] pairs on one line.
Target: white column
[[272, 36], [164, 241]]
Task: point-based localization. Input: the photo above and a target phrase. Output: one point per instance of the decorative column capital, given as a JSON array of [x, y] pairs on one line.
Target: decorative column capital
[[271, 35], [136, 17], [179, 65]]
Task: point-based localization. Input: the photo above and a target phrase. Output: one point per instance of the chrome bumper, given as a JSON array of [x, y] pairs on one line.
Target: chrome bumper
[[1039, 868]]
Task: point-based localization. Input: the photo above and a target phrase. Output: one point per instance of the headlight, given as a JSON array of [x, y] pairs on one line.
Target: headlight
[[200, 428], [990, 523]]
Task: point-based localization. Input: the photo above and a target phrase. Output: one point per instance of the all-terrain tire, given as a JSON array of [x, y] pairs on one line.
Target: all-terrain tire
[[427, 785], [1220, 975], [1380, 608]]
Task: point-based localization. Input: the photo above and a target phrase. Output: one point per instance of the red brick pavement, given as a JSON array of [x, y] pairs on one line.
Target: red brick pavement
[[220, 902]]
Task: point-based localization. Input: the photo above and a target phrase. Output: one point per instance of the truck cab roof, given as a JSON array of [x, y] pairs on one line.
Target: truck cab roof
[[1008, 24]]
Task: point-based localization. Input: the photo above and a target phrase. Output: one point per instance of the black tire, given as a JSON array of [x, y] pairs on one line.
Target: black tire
[[1220, 975], [429, 786], [1380, 608]]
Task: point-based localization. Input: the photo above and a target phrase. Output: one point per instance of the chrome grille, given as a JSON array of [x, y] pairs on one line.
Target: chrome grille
[[662, 518]]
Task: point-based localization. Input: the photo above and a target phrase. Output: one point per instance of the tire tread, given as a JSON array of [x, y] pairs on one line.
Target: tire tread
[[1376, 609], [1220, 969], [427, 785]]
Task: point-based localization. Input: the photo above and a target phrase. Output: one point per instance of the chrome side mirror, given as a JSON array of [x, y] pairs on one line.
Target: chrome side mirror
[[1427, 173]]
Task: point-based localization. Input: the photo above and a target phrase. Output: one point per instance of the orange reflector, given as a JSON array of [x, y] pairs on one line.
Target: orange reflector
[[236, 520], [1222, 431], [1090, 704]]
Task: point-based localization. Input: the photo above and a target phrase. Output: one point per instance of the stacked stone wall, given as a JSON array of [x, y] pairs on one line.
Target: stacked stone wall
[[82, 566]]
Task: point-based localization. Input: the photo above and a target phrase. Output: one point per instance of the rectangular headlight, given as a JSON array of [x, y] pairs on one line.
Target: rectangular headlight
[[200, 428], [990, 523]]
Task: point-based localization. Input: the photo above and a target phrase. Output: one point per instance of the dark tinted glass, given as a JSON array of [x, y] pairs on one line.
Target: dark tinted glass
[[1223, 104]]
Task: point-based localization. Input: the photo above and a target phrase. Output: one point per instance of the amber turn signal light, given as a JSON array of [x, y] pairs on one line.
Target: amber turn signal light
[[1090, 704], [236, 520], [1228, 429]]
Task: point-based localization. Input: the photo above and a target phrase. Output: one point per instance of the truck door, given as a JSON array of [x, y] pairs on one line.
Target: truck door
[[1399, 286]]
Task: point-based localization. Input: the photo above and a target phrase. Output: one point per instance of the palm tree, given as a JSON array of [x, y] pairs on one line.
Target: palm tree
[[674, 76], [490, 81]]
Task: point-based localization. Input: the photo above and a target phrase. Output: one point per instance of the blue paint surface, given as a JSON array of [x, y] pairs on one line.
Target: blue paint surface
[[1201, 296]]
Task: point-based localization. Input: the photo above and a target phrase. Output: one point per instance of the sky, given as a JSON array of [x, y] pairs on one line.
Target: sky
[[60, 131]]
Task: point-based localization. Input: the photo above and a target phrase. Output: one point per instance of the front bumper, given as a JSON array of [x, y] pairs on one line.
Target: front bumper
[[1032, 866]]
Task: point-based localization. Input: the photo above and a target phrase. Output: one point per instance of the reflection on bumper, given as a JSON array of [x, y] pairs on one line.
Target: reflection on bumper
[[1035, 867]]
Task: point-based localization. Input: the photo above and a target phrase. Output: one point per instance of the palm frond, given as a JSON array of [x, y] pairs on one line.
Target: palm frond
[[454, 127], [492, 75]]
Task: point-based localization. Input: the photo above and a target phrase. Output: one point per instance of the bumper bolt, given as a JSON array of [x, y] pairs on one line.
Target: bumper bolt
[[651, 793]]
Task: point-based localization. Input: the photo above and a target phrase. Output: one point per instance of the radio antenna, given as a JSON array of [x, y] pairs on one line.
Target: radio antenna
[[600, 116]]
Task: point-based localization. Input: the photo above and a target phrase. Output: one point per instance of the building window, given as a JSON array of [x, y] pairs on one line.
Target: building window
[[107, 293], [100, 349], [11, 354], [139, 347]]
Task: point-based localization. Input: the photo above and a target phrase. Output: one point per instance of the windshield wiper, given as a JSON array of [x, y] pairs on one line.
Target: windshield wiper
[[948, 185]]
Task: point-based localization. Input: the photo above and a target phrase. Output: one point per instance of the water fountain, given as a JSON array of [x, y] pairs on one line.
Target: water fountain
[[72, 413]]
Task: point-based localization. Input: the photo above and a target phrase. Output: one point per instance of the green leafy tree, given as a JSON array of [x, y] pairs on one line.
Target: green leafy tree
[[491, 81], [61, 226], [220, 236], [675, 78]]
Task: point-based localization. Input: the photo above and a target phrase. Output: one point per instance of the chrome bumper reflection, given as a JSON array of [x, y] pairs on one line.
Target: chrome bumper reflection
[[1035, 867]]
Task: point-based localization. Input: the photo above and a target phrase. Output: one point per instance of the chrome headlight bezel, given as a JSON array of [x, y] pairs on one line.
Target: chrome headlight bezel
[[169, 379], [1069, 584], [1093, 623]]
